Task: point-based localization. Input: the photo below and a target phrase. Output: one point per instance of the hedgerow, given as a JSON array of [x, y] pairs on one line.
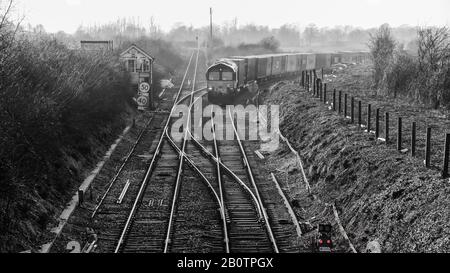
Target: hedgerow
[[56, 106]]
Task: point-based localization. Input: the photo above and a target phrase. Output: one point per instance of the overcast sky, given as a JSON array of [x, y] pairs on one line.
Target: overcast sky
[[67, 15]]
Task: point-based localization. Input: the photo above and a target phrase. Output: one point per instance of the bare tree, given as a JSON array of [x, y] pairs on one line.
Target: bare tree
[[6, 33], [382, 46], [434, 60], [4, 18], [311, 32]]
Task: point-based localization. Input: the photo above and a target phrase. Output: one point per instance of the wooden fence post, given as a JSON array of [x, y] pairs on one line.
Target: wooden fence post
[[314, 87], [369, 117], [325, 93], [320, 90], [302, 78], [386, 128], [377, 124], [334, 100], [359, 113], [446, 156], [352, 110], [399, 134], [309, 82], [428, 149], [305, 78], [413, 139], [345, 104], [340, 102]]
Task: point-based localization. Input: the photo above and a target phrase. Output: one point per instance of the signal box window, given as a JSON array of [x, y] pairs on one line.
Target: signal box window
[[145, 66], [131, 66], [214, 76]]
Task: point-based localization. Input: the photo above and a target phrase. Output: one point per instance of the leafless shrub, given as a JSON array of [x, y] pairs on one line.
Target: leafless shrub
[[433, 64], [423, 76], [400, 74], [382, 46]]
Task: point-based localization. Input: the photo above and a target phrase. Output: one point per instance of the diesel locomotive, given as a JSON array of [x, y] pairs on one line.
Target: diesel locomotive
[[227, 77]]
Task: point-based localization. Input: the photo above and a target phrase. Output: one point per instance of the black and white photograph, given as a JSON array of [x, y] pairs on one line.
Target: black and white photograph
[[223, 134]]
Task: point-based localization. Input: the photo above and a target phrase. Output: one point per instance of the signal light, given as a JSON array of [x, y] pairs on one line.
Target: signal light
[[329, 242], [320, 242]]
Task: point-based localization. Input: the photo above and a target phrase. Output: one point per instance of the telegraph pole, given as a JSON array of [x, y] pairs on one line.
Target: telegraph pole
[[211, 25]]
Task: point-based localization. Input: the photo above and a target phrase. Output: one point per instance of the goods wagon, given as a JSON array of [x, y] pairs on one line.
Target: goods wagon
[[292, 63], [241, 75], [284, 62], [229, 76], [336, 58], [323, 60], [310, 61], [262, 63], [276, 65]]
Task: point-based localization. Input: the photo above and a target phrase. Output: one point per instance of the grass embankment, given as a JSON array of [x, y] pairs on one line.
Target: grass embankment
[[380, 194]]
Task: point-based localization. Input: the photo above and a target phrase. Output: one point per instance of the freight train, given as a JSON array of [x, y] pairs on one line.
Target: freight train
[[228, 77]]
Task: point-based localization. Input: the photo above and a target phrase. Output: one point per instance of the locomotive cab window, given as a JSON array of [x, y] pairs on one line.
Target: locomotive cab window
[[214, 76], [227, 76]]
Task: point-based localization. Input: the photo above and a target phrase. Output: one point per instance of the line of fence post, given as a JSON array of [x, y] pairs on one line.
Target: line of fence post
[[446, 156], [428, 149], [413, 139], [399, 134], [320, 89], [386, 127]]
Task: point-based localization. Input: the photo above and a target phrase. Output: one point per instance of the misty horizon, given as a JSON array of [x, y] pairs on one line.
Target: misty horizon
[[69, 15]]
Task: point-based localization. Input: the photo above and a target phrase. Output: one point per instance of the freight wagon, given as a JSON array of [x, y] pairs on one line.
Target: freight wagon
[[230, 76]]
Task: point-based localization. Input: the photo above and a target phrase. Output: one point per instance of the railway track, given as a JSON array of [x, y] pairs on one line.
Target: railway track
[[254, 222], [246, 229], [112, 211], [194, 196]]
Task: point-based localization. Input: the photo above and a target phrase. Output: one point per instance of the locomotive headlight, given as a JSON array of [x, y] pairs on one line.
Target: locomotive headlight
[[210, 88]]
